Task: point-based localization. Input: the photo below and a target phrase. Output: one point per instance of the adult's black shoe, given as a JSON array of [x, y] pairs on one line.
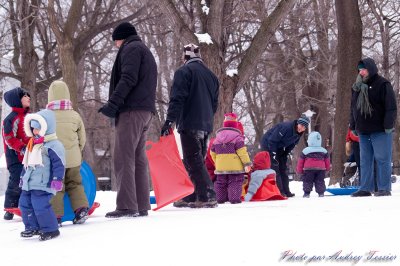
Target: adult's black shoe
[[143, 213], [361, 193], [382, 193], [122, 213]]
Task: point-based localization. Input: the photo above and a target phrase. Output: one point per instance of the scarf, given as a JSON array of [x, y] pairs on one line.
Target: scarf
[[33, 152], [59, 105], [363, 103], [196, 59]]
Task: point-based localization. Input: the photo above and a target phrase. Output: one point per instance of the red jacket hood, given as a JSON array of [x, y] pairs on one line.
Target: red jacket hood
[[262, 161]]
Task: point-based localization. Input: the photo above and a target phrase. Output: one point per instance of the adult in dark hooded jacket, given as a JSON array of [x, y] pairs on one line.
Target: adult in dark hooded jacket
[[132, 103], [15, 141], [279, 141], [373, 116], [193, 103]]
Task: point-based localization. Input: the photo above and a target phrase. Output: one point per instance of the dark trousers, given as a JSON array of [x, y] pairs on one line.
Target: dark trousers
[[194, 148], [130, 161], [314, 177], [279, 165], [36, 210], [228, 187], [13, 190]]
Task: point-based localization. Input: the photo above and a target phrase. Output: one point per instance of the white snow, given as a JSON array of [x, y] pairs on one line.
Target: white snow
[[205, 9], [232, 72], [254, 233], [204, 38]]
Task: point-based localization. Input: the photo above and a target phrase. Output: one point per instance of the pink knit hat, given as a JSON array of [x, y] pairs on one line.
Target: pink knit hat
[[231, 117]]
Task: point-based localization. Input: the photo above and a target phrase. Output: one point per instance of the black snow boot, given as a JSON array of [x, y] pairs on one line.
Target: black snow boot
[[8, 216], [81, 215], [29, 233], [48, 235], [361, 193]]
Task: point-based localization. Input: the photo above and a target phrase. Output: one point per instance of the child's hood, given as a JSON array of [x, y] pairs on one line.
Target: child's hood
[[58, 90], [13, 97], [262, 161], [314, 139], [46, 119], [226, 135]]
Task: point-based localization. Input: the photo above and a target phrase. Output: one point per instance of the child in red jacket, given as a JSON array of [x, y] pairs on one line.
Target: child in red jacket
[[262, 183], [15, 141]]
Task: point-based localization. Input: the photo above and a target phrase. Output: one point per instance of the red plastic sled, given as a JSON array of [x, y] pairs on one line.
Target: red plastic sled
[[17, 211], [170, 179]]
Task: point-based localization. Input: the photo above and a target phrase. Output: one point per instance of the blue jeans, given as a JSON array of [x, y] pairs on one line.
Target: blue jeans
[[376, 146]]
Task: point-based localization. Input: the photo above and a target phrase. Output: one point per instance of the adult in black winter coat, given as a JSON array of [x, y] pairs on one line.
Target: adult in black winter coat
[[193, 103], [279, 141], [373, 116], [132, 103]]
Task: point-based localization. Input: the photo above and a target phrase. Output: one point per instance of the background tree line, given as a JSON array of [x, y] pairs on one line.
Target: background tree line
[[275, 59]]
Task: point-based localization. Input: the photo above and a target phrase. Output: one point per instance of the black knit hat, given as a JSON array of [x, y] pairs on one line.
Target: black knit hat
[[123, 31]]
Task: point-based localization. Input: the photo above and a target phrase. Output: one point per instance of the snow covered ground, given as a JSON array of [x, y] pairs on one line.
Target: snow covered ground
[[334, 230]]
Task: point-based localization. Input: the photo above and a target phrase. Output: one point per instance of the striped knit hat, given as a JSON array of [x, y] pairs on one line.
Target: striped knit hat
[[191, 51], [303, 120]]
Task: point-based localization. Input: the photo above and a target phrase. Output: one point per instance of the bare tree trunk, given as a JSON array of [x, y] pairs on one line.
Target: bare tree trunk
[[25, 59], [348, 54]]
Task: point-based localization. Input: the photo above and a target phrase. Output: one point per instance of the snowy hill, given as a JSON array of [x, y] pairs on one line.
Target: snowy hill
[[255, 233]]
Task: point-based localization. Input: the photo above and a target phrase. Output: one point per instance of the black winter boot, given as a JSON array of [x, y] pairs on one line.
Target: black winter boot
[[81, 215], [29, 233], [48, 235], [8, 216], [122, 213], [361, 193]]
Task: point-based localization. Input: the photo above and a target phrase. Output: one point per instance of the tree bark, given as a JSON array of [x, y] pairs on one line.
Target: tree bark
[[348, 55]]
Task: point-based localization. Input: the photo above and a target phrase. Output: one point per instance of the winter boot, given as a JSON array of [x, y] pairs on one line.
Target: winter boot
[[49, 235], [321, 195], [361, 193], [8, 216], [29, 233], [81, 215], [122, 213], [382, 193], [181, 204], [204, 204], [143, 213], [306, 195], [290, 194]]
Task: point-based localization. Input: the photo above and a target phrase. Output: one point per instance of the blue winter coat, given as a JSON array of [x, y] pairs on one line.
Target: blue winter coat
[[53, 157], [281, 137]]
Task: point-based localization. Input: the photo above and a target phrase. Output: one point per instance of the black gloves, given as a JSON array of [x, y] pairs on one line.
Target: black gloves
[[109, 109], [166, 128]]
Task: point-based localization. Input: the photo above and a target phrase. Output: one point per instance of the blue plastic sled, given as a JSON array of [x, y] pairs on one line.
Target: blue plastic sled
[[342, 191], [153, 200], [89, 184]]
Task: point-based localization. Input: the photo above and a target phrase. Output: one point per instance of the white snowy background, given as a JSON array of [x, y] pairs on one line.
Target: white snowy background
[[254, 233]]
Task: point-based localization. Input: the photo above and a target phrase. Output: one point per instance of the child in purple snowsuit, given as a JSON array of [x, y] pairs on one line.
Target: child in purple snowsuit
[[230, 157], [313, 164]]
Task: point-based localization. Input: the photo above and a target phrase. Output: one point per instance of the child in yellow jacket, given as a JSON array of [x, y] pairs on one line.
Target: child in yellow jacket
[[231, 158]]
